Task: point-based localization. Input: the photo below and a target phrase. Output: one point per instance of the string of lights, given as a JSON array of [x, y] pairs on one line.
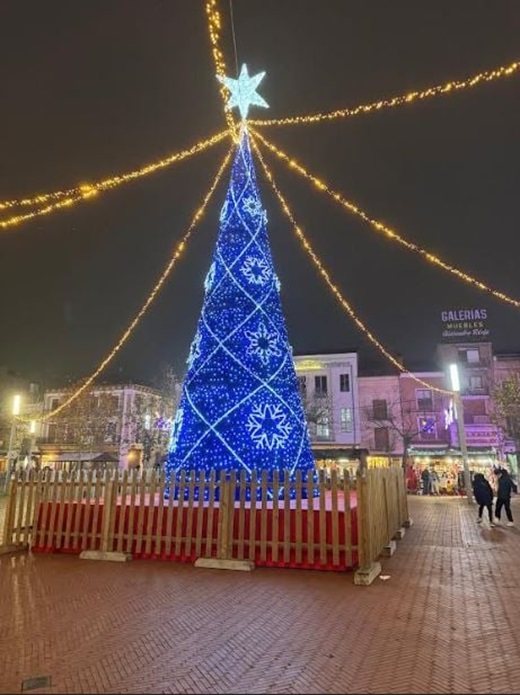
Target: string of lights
[[74, 195], [214, 26], [400, 100], [178, 251], [333, 287], [382, 228]]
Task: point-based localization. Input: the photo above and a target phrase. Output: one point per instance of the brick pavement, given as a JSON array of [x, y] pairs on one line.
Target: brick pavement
[[445, 621]]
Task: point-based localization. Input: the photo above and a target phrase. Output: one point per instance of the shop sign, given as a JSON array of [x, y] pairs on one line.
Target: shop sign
[[465, 325], [488, 437]]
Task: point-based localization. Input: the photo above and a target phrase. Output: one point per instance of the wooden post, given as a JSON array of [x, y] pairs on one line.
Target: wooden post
[[226, 515], [105, 552], [8, 546]]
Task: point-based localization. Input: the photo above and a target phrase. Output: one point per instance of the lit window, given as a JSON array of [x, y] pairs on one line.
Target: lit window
[[346, 419], [472, 355], [322, 427]]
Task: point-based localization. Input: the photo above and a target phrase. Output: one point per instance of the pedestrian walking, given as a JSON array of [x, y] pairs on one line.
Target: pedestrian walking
[[434, 482], [505, 487], [426, 485], [483, 493]]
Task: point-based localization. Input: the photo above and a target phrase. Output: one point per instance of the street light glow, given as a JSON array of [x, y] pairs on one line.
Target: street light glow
[[16, 404], [454, 374]]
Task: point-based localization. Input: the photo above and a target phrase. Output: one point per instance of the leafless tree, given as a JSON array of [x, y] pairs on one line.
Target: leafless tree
[[404, 421], [318, 411]]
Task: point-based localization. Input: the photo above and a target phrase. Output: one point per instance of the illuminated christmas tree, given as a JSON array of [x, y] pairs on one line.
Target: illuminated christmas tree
[[240, 407]]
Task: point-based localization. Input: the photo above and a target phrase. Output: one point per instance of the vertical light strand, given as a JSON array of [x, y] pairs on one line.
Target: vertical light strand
[[179, 249], [214, 27], [332, 287]]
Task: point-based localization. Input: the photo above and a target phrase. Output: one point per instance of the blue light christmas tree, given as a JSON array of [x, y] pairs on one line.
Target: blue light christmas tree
[[240, 408]]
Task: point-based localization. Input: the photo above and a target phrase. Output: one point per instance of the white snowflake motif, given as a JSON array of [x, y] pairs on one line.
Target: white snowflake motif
[[177, 424], [224, 212], [256, 270], [252, 205], [263, 342], [194, 350], [208, 282], [268, 426]]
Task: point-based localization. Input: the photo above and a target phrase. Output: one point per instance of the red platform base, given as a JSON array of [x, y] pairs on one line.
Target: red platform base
[[57, 533]]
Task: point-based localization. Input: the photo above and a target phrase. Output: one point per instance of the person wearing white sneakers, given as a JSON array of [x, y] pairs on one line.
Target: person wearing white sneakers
[[484, 497], [506, 486]]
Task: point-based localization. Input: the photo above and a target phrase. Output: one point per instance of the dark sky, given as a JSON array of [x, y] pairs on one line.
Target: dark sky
[[100, 87]]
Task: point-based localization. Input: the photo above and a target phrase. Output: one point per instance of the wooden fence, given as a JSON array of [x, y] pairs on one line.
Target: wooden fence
[[382, 510], [312, 522]]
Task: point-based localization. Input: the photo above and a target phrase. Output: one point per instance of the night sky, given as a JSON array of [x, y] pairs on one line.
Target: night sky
[[95, 88]]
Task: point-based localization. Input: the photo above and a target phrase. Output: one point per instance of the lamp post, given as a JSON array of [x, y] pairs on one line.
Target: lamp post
[[459, 415], [17, 399]]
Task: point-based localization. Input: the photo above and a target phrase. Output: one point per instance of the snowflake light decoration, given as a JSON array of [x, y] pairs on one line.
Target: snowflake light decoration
[[268, 426], [252, 206], [256, 270], [263, 342]]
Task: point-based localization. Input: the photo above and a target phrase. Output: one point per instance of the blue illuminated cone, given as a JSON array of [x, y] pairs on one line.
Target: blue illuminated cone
[[240, 407]]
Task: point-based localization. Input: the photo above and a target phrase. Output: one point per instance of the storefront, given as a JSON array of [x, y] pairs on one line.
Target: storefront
[[347, 459], [444, 466]]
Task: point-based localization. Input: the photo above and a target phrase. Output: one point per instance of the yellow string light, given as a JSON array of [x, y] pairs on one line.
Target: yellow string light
[[74, 195], [401, 100], [333, 288], [179, 249], [214, 26], [382, 228]]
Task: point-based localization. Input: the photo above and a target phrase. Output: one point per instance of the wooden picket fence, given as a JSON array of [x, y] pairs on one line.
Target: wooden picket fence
[[382, 510], [312, 522]]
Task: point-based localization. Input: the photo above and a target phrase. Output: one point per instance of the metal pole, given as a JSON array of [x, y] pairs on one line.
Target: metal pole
[[9, 453], [463, 446]]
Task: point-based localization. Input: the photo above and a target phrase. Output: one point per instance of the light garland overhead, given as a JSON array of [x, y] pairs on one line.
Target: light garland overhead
[[179, 249], [382, 228], [214, 26], [401, 100], [332, 287], [74, 195]]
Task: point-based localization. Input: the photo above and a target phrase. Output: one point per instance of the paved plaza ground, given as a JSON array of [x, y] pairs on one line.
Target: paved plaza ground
[[443, 618]]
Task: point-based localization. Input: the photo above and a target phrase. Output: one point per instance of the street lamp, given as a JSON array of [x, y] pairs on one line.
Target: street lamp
[[17, 400], [459, 415]]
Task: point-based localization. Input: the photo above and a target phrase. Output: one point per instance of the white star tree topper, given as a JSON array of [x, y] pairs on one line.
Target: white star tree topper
[[243, 91]]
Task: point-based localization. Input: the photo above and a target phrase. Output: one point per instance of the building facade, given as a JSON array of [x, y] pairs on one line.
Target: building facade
[[127, 425], [329, 390]]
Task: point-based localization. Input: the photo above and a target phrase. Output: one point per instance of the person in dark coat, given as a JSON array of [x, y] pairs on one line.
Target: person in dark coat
[[506, 486], [483, 493]]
